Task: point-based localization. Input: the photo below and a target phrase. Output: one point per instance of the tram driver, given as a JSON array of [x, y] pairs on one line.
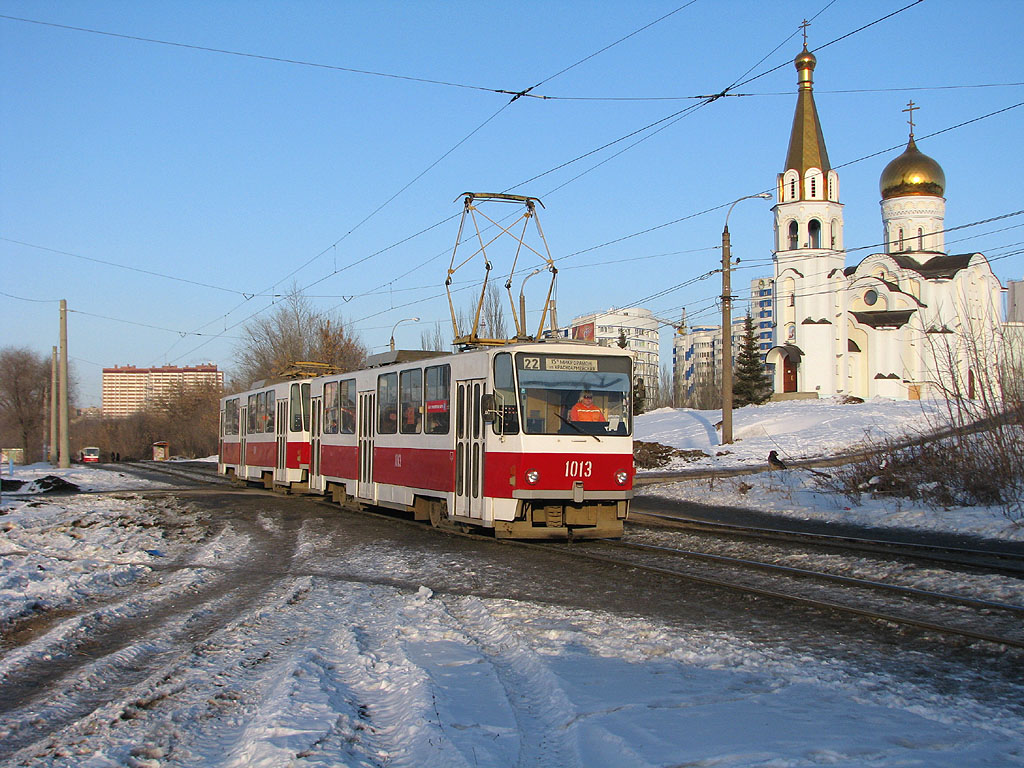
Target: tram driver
[[585, 410]]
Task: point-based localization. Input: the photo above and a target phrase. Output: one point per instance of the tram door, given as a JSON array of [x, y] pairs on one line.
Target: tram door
[[243, 429], [367, 411], [469, 448], [315, 429], [281, 433]]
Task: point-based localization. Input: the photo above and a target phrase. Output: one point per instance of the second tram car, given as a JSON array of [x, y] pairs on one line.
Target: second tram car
[[265, 434], [530, 440]]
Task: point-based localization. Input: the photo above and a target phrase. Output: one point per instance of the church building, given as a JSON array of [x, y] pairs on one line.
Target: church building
[[899, 324]]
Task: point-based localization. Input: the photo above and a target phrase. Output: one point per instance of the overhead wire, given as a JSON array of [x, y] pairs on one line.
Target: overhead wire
[[563, 165], [678, 114], [249, 55], [446, 154]]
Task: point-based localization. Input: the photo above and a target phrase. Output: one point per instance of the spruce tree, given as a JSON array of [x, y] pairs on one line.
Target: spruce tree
[[751, 385]]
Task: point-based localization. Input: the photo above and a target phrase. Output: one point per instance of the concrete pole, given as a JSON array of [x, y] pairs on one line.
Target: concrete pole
[[64, 460], [726, 337], [52, 457], [727, 323]]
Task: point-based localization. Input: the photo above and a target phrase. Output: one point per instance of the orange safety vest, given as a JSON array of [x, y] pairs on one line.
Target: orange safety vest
[[583, 412]]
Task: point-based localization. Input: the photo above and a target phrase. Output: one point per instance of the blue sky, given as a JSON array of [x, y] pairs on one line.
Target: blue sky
[[121, 157]]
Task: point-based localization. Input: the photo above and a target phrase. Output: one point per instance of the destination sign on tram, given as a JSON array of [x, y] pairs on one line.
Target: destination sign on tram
[[570, 364]]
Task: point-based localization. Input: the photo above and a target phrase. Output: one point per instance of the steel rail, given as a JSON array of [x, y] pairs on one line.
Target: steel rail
[[852, 581], [920, 551], [799, 599]]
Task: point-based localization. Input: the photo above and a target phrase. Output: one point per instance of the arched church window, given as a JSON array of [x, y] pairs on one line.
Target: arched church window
[[899, 246], [794, 236], [834, 234], [920, 239], [814, 233]]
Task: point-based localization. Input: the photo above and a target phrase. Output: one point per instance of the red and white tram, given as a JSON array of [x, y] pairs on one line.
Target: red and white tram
[[265, 434], [532, 440]]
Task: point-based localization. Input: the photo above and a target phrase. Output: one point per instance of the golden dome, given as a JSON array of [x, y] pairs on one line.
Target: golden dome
[[912, 173], [805, 60]]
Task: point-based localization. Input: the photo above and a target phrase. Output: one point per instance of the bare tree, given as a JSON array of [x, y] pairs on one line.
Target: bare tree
[[24, 383], [191, 416], [295, 332], [492, 315], [435, 339], [666, 397], [706, 392]]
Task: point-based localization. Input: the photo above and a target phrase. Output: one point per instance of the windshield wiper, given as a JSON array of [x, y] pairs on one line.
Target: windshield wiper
[[573, 425]]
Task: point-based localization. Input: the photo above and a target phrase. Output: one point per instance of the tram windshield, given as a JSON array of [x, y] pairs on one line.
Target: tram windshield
[[568, 394]]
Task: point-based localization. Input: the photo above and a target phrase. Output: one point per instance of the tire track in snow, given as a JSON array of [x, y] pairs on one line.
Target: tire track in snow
[[44, 691], [545, 716]]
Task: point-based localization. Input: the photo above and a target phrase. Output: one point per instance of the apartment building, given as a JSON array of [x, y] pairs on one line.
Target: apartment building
[[640, 330], [127, 389]]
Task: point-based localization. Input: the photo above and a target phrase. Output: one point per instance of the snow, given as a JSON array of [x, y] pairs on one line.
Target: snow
[[330, 672], [808, 429]]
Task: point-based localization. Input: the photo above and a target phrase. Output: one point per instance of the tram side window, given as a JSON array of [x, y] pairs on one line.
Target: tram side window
[[438, 401], [253, 416], [387, 404], [411, 397], [268, 424], [507, 422], [231, 416], [348, 406], [295, 408], [331, 409]]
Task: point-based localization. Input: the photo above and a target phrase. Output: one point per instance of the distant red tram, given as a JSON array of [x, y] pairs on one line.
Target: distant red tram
[[483, 438]]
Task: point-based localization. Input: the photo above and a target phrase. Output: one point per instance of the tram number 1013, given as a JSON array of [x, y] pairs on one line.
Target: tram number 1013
[[579, 468]]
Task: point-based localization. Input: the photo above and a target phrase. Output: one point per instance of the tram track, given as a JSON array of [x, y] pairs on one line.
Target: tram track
[[946, 613], [990, 561], [931, 611]]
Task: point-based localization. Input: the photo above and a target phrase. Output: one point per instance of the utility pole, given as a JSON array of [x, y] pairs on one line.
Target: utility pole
[[727, 323], [64, 459], [726, 336], [52, 453]]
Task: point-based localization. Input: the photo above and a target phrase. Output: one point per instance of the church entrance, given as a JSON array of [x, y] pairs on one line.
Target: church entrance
[[788, 375]]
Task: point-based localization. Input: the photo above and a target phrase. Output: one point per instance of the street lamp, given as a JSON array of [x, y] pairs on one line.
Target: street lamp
[[403, 320], [522, 301], [727, 323]]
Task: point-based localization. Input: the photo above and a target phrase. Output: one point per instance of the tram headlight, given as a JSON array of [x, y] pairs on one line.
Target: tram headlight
[[621, 477], [532, 476]]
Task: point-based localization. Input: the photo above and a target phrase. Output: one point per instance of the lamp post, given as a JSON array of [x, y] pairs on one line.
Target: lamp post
[[403, 320], [522, 302], [727, 323]]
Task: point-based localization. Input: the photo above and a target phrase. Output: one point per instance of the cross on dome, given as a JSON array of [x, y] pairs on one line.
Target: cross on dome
[[911, 106]]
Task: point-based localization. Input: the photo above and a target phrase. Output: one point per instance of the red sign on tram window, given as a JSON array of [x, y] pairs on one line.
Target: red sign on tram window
[[437, 406]]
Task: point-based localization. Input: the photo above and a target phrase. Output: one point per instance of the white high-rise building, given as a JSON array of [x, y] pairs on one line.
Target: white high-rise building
[[640, 330]]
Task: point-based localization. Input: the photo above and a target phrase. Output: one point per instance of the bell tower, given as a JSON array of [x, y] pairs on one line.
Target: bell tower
[[808, 248]]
